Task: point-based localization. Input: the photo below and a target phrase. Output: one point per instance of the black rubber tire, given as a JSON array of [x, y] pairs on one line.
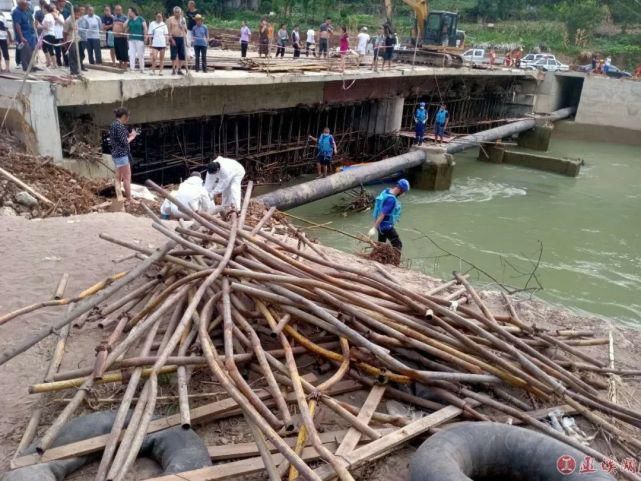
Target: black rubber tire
[[483, 451], [175, 449]]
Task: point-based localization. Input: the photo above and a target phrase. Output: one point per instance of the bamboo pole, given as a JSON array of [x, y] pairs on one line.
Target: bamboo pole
[[12, 178], [86, 304]]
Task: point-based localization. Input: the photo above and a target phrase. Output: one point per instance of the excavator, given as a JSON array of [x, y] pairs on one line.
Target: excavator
[[436, 40]]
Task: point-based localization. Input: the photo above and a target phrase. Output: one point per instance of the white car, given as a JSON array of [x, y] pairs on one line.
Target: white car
[[530, 59], [551, 64]]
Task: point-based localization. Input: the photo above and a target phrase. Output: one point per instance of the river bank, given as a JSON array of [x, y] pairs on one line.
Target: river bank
[[71, 244]]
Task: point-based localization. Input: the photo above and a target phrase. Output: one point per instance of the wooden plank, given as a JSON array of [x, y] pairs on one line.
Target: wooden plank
[[245, 450], [244, 467], [369, 408], [200, 415], [384, 445]]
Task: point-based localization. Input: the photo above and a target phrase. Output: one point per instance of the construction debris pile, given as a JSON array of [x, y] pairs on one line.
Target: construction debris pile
[[230, 299], [50, 190], [274, 65]]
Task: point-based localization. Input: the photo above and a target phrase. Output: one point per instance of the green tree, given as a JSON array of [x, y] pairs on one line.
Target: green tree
[[581, 17]]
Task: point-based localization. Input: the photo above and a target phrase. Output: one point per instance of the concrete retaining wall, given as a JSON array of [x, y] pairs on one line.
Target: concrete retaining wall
[[610, 102]]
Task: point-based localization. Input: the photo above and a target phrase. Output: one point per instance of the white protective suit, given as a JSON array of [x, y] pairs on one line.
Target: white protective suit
[[226, 182], [190, 192]]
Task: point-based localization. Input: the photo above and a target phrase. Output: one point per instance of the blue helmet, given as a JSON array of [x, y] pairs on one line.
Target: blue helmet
[[404, 185]]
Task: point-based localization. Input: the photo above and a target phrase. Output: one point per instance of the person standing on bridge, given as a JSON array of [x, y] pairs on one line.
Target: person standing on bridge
[[326, 149], [387, 211], [245, 37], [440, 124], [420, 117], [224, 177]]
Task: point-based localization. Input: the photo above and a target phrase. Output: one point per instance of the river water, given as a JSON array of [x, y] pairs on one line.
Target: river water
[[499, 217]]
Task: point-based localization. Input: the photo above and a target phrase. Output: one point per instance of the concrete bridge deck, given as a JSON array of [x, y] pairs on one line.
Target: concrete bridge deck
[[223, 92]]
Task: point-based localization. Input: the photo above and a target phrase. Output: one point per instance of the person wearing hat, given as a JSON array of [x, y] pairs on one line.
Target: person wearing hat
[[420, 118], [224, 177], [387, 211], [200, 36], [363, 40]]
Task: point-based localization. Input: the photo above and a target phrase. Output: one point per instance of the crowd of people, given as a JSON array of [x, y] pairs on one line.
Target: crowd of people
[[318, 44], [68, 36]]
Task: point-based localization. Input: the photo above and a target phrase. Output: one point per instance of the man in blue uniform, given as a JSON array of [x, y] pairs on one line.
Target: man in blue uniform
[[420, 118], [326, 149], [440, 123], [387, 211]]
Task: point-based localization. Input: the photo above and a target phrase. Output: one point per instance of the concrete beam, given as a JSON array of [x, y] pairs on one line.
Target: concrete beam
[[436, 172], [537, 138], [498, 154]]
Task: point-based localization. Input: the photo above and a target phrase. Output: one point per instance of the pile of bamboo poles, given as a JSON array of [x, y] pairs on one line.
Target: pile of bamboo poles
[[231, 296]]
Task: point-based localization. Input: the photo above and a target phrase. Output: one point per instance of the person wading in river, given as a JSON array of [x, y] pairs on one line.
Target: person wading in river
[[387, 211]]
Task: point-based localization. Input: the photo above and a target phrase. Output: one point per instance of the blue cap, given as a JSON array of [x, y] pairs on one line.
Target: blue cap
[[403, 184]]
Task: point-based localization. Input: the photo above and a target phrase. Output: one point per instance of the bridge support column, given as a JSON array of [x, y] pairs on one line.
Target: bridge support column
[[536, 139], [436, 172], [389, 116]]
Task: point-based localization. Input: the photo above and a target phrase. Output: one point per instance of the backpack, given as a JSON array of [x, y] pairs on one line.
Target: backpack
[[325, 144], [421, 115], [378, 206]]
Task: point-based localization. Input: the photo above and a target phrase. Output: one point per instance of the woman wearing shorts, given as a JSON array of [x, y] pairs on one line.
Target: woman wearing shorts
[[158, 33], [5, 38], [49, 39], [119, 139]]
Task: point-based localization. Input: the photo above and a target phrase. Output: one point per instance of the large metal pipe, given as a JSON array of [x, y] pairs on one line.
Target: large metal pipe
[[469, 141], [306, 192], [300, 194]]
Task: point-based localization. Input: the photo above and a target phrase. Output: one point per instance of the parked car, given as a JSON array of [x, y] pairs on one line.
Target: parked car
[[551, 64], [614, 72], [479, 56], [530, 59]]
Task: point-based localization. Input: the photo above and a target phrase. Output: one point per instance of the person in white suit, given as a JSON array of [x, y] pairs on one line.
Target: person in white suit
[[191, 192], [224, 176]]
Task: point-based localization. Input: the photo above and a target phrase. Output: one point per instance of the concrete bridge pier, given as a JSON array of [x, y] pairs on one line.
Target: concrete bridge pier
[[387, 118], [436, 172], [537, 138]]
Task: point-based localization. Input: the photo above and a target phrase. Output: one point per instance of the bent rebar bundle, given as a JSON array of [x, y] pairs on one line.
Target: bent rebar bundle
[[229, 296]]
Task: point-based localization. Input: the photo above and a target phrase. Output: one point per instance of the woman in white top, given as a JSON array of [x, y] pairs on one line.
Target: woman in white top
[[311, 42], [58, 33], [49, 39], [158, 34]]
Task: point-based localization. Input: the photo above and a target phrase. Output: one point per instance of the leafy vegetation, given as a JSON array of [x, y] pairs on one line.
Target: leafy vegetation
[[569, 28]]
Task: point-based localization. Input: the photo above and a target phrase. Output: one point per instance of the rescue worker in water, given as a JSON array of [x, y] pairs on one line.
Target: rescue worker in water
[[387, 211]]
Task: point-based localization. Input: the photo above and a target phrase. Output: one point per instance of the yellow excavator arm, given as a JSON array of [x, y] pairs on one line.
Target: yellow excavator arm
[[420, 8]]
